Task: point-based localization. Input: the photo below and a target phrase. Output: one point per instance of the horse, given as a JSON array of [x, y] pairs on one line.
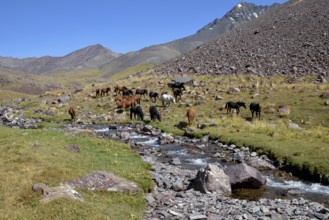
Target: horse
[[105, 91], [127, 92], [153, 96], [190, 115], [136, 98], [234, 105], [137, 112], [154, 113], [72, 113], [178, 85], [126, 103], [142, 92], [98, 92], [167, 99], [177, 93], [255, 108], [118, 89]]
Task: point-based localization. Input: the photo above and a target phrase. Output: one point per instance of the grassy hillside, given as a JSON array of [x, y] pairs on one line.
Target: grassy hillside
[[39, 156]]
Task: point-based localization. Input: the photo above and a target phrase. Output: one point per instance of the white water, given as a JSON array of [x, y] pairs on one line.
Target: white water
[[290, 184], [182, 152], [152, 142], [102, 130], [198, 161]]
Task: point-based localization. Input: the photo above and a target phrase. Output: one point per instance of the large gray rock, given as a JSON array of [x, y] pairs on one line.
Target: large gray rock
[[211, 179], [244, 176], [166, 138], [284, 110], [58, 192], [104, 181], [64, 98]]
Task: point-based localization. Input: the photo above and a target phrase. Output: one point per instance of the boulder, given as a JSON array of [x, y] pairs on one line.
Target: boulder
[[100, 180], [233, 90], [294, 126], [166, 138], [64, 98], [51, 193], [244, 176], [284, 110], [325, 95], [260, 163], [211, 179]]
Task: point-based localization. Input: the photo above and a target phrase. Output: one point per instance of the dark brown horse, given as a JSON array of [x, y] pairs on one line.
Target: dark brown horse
[[255, 108], [119, 89], [177, 93], [72, 113], [105, 91], [153, 96], [141, 92], [154, 113], [137, 112], [98, 92], [234, 105]]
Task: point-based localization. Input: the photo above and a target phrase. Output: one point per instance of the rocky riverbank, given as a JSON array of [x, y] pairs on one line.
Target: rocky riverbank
[[172, 199]]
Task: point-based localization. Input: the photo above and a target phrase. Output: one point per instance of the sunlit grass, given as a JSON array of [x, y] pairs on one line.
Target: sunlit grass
[[39, 156]]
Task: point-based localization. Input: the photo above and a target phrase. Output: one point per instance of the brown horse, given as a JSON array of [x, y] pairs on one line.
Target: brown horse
[[190, 115], [119, 89], [124, 103], [72, 113], [98, 92], [105, 91], [128, 101]]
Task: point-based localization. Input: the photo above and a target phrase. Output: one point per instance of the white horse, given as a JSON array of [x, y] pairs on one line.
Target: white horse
[[167, 99]]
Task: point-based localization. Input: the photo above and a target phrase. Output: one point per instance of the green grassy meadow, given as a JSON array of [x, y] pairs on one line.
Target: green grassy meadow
[[39, 156]]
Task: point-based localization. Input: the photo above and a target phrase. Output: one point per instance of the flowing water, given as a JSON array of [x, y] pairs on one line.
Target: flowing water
[[279, 184]]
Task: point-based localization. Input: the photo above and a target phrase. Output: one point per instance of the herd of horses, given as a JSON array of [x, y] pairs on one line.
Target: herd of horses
[[132, 99]]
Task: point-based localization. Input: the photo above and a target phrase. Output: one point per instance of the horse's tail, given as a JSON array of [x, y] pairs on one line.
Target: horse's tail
[[226, 105]]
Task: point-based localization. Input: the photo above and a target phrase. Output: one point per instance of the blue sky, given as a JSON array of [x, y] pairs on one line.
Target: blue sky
[[35, 28]]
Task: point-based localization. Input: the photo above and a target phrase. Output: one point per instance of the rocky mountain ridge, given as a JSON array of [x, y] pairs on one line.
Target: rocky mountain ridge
[[157, 54], [293, 39], [88, 57]]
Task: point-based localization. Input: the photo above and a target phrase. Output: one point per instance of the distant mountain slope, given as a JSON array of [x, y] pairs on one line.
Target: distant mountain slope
[[92, 56], [240, 14], [291, 40]]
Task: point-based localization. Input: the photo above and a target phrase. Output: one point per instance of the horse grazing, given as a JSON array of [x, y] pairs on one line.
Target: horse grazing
[[234, 105], [190, 115], [72, 113], [177, 93], [255, 108], [154, 113], [153, 96], [137, 112], [167, 99], [142, 92]]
